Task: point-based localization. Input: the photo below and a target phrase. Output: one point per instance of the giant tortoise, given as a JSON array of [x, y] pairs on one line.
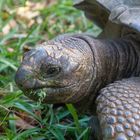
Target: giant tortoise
[[98, 75]]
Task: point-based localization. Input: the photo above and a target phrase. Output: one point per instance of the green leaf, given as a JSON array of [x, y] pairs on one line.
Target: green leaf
[[26, 134], [27, 108], [75, 116], [84, 134], [57, 133], [12, 123], [8, 64]]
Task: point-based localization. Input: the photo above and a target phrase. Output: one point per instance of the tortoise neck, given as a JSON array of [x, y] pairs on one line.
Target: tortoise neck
[[113, 60], [116, 58]]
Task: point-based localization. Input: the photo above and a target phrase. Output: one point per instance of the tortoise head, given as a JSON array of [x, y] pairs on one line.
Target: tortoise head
[[61, 68]]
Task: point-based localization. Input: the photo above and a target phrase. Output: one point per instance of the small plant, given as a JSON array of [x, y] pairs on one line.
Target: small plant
[[41, 94]]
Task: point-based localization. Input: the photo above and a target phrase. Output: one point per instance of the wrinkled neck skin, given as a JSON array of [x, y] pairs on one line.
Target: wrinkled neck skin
[[113, 60]]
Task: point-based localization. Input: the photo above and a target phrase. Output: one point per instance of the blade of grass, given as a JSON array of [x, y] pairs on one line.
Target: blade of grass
[[75, 116], [26, 134], [57, 133], [12, 123], [27, 37], [22, 105], [9, 64], [84, 133]]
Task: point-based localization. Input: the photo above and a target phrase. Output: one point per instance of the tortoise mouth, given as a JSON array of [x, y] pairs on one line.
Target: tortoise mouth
[[52, 94]]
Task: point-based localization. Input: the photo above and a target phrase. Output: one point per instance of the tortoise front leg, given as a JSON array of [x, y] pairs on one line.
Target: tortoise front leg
[[118, 110]]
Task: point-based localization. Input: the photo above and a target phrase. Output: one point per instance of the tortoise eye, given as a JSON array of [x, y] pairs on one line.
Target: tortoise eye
[[53, 70], [49, 71]]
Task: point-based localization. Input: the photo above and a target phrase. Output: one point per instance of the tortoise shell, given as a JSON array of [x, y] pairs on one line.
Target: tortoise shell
[[121, 12]]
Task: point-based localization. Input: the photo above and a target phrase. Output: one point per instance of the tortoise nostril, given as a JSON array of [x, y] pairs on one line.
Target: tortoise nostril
[[24, 79], [19, 77]]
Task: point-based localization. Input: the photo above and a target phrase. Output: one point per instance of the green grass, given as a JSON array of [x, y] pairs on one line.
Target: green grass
[[48, 122]]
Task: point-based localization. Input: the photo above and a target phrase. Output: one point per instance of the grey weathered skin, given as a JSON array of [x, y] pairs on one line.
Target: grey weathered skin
[[74, 69]]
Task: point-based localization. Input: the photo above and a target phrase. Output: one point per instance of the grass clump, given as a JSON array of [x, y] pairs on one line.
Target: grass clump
[[41, 96]]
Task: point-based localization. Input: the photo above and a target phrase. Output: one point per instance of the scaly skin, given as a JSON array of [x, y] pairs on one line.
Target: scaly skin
[[74, 68], [118, 109]]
